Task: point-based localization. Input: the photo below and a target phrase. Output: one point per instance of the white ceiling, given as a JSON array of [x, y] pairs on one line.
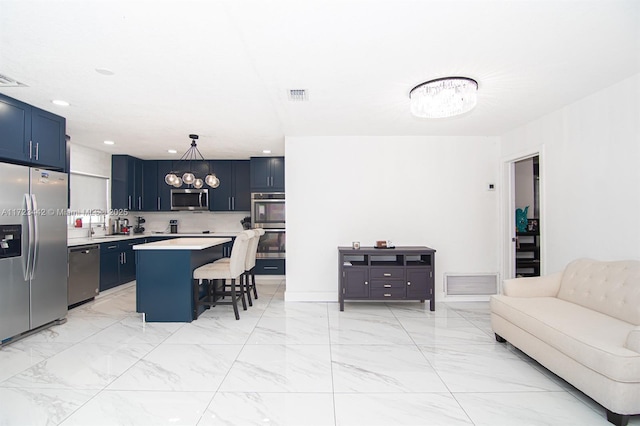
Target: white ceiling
[[222, 69]]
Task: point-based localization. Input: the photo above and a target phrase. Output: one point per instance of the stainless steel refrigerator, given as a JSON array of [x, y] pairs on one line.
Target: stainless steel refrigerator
[[33, 248]]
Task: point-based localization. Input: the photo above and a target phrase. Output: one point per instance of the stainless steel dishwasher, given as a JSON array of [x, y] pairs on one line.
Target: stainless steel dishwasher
[[84, 273]]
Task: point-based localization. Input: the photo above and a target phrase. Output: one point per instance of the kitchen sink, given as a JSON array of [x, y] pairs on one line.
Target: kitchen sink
[[107, 237]]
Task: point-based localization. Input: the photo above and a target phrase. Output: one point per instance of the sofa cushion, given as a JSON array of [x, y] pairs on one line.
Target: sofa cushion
[[633, 340], [589, 337], [612, 288]]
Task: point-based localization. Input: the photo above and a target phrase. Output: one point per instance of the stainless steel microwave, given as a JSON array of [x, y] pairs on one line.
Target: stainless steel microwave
[[189, 199]]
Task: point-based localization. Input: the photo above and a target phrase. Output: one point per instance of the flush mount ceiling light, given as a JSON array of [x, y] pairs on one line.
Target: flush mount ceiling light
[[186, 167], [444, 97], [109, 142], [60, 102]]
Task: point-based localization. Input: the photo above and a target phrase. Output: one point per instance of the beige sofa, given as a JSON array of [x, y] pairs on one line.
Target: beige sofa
[[584, 325]]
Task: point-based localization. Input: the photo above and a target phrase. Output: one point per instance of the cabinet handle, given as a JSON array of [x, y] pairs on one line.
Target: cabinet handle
[[37, 150], [366, 283], [139, 203], [129, 202], [387, 295], [387, 274], [387, 285], [30, 149], [158, 203], [229, 203], [111, 247], [408, 282], [267, 181], [233, 203], [270, 267]]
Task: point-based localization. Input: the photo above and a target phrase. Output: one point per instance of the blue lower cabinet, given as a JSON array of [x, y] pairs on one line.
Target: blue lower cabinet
[[270, 267], [109, 265], [117, 263]]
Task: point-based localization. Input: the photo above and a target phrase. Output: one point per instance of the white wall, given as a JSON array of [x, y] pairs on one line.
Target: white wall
[[410, 190], [591, 176]]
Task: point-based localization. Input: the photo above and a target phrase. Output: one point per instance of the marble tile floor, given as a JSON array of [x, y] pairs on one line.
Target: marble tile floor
[[282, 364]]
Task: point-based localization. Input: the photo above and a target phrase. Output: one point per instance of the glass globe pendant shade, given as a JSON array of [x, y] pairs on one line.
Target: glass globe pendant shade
[[198, 183], [188, 178], [178, 182], [212, 181], [170, 178]]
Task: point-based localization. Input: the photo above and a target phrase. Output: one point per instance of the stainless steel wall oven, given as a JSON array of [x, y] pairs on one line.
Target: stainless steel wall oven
[[268, 212]]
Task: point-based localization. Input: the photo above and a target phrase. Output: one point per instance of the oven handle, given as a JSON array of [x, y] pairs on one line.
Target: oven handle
[[273, 230]]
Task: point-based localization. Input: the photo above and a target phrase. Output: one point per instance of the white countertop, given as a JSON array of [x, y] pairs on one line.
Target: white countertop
[[72, 242], [183, 244]]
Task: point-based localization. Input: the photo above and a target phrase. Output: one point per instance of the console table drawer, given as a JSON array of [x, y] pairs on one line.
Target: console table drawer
[[388, 293], [386, 273], [387, 285]]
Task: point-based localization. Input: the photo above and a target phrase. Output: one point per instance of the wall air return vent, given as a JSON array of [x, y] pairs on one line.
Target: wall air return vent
[[298, 95], [10, 82], [470, 284]]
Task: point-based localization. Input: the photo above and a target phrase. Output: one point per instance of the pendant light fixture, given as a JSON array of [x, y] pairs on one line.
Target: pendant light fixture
[[184, 172], [444, 97]]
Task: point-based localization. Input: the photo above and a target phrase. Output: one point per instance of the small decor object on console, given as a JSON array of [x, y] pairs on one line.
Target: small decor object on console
[[355, 245], [384, 244]]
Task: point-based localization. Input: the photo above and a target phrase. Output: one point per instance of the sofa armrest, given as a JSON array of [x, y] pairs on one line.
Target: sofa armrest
[[546, 286], [633, 340]]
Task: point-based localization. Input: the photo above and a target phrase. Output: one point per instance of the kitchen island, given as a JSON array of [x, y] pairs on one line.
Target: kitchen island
[[164, 276]]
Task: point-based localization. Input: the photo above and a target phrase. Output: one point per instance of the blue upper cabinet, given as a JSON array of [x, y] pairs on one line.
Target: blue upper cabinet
[[267, 174], [242, 187], [31, 136], [156, 194], [233, 194], [164, 190], [48, 139], [139, 185], [126, 182], [150, 198], [15, 129]]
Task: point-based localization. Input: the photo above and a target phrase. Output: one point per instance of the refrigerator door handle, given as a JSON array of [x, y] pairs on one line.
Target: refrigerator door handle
[[27, 265], [36, 240]]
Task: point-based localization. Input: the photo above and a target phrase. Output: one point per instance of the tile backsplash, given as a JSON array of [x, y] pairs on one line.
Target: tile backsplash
[[193, 222]]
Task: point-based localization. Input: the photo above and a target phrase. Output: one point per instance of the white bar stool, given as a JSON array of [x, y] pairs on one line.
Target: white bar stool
[[233, 270]]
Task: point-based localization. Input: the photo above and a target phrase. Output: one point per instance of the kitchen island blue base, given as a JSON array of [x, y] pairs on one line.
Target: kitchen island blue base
[[164, 283]]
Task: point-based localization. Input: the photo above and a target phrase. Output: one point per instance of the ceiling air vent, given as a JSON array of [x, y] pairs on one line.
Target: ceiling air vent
[[298, 95], [9, 82]]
